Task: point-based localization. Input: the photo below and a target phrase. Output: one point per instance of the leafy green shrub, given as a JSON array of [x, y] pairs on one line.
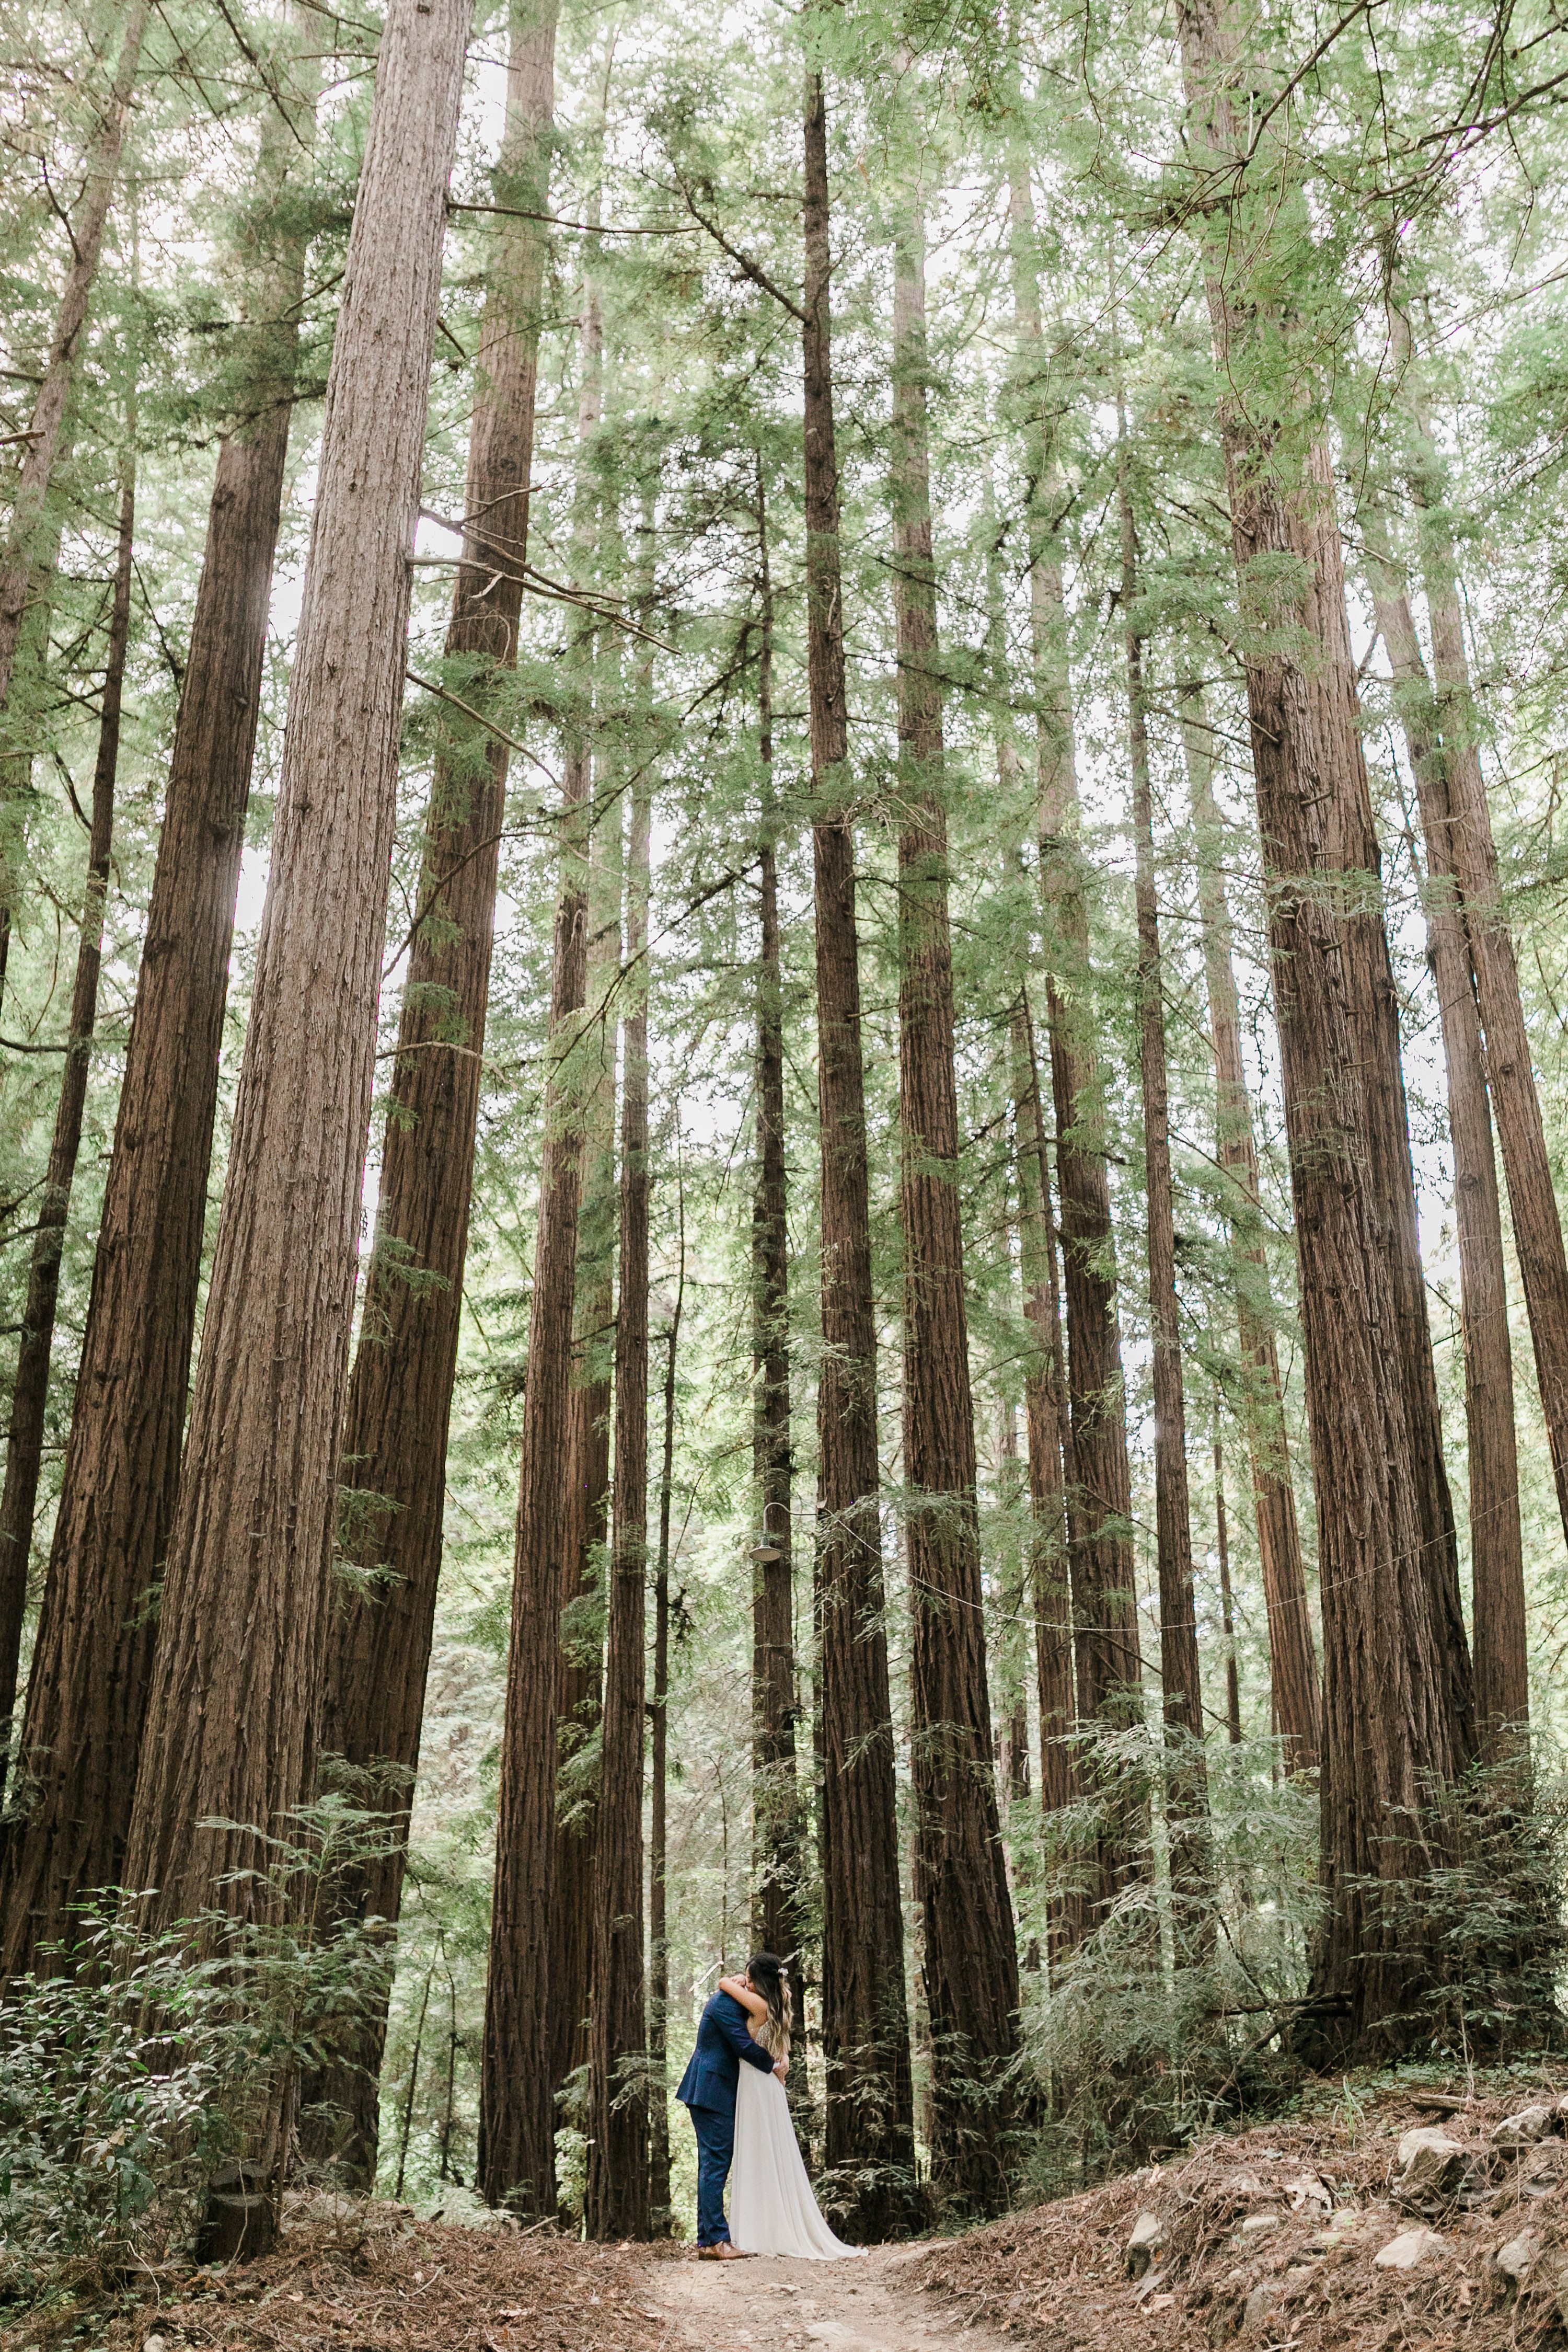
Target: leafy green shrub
[[132, 2071]]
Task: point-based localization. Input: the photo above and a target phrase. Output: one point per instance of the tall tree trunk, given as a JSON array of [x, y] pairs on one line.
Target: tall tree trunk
[[1183, 1696], [778, 1924], [865, 2019], [230, 1725], [617, 2196], [970, 1952], [1470, 858], [517, 2114], [92, 1663], [658, 1832], [25, 1448], [1396, 1698], [1497, 1545], [1052, 1479], [579, 1673], [20, 568], [539, 1954], [1222, 1546], [1292, 1657], [1107, 1659], [399, 1394]]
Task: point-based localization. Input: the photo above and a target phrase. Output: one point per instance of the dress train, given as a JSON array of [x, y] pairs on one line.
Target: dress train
[[771, 2208]]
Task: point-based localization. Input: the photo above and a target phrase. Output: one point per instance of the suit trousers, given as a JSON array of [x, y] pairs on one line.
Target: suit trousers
[[715, 2128]]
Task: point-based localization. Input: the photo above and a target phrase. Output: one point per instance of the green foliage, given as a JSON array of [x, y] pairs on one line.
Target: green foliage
[[125, 2081]]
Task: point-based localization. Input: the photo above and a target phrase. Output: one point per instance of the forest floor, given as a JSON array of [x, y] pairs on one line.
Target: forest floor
[[1329, 2232], [875, 2305], [1326, 2232]]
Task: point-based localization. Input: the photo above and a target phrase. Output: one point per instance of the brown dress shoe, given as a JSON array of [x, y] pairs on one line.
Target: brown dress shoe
[[724, 2254]]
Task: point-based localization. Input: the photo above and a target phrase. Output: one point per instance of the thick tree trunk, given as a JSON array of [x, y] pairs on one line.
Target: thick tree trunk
[[25, 1448], [1395, 1716], [971, 1955], [19, 567], [658, 1829], [1107, 1661], [540, 1947], [778, 1924], [230, 1725], [1497, 1546], [516, 2115], [399, 1396], [1292, 1657], [92, 1663], [1183, 1697], [617, 2196], [865, 2022]]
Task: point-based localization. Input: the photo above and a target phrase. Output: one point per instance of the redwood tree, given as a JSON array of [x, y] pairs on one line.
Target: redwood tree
[[92, 1662], [1471, 860], [969, 1952], [1183, 1697], [1395, 1696], [616, 2203], [1293, 1666], [399, 1394], [776, 1799], [865, 2022], [25, 1445], [586, 1493], [1108, 1664], [228, 1746], [1496, 1544]]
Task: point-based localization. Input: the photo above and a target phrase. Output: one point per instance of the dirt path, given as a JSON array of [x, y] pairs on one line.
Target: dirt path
[[783, 2306]]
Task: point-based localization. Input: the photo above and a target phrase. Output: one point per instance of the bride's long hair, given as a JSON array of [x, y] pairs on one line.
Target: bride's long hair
[[771, 1980]]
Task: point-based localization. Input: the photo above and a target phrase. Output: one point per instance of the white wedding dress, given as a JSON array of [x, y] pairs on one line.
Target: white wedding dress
[[771, 2208]]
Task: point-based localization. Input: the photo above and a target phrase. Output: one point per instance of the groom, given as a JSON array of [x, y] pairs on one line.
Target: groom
[[707, 2092]]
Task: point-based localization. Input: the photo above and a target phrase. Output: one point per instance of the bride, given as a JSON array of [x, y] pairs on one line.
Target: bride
[[771, 2208]]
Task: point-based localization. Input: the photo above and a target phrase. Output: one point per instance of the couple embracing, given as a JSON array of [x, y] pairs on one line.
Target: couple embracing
[[733, 2092]]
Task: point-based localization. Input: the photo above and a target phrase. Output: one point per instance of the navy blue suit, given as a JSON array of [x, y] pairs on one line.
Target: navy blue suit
[[707, 2091]]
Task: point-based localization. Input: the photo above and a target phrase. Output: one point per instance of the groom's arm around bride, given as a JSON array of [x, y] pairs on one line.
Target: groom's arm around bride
[[707, 2092]]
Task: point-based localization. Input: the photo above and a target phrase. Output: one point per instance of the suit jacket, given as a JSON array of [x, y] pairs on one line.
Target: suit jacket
[[713, 2073]]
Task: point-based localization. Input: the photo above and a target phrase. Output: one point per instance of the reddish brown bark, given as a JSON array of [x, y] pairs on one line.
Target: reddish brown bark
[[228, 1750], [92, 1663], [399, 1394], [585, 1503], [1395, 1714], [969, 1963], [1222, 1546], [1292, 1655], [616, 2204], [1108, 1664], [1183, 1697], [1471, 860], [865, 2024], [659, 1773], [778, 1922], [516, 2115], [29, 1396], [1051, 1470], [532, 2003], [1496, 1547]]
